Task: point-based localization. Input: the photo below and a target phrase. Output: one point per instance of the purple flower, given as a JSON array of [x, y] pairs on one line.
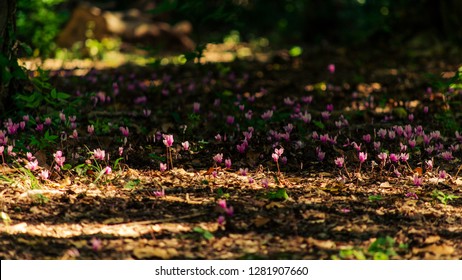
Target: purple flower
[[196, 107], [162, 167], [367, 138], [124, 130], [447, 155], [221, 220], [442, 174], [382, 133], [241, 148], [320, 154], [412, 195], [417, 180], [394, 157], [267, 115], [243, 171], [229, 120], [39, 127], [325, 115], [330, 107]]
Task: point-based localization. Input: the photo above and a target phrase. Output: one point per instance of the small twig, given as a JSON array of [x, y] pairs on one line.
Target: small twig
[[164, 220]]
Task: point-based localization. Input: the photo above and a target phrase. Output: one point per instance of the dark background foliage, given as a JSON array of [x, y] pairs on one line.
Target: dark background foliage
[[341, 22]]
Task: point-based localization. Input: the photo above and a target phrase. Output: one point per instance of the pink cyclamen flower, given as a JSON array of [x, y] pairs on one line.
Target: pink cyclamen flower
[[185, 145], [59, 158], [39, 127], [44, 174], [367, 138], [162, 167], [404, 157], [90, 129], [383, 157], [330, 107], [230, 120], [362, 157], [264, 183], [394, 157], [168, 140], [218, 158], [108, 170], [221, 220], [275, 157], [241, 148], [447, 155], [331, 68], [99, 154], [124, 130], [325, 115], [228, 163], [339, 161], [417, 180], [96, 244], [279, 152], [267, 115], [29, 156], [429, 164], [32, 165], [412, 195], [196, 107]]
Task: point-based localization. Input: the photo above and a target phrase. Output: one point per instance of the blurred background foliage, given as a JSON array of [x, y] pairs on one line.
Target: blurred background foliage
[[283, 23]]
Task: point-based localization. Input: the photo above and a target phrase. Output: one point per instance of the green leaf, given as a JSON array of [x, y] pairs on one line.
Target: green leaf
[[279, 195], [132, 184], [205, 233], [319, 124]]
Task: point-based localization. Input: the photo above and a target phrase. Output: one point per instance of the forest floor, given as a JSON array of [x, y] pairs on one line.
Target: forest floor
[[327, 202]]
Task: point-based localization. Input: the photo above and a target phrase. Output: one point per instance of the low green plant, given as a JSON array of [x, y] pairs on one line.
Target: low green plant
[[382, 248], [375, 198], [43, 142], [279, 195], [132, 184], [204, 233], [442, 197], [350, 254]]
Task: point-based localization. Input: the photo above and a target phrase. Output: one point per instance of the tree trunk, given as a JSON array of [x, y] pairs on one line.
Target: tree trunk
[[7, 51]]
